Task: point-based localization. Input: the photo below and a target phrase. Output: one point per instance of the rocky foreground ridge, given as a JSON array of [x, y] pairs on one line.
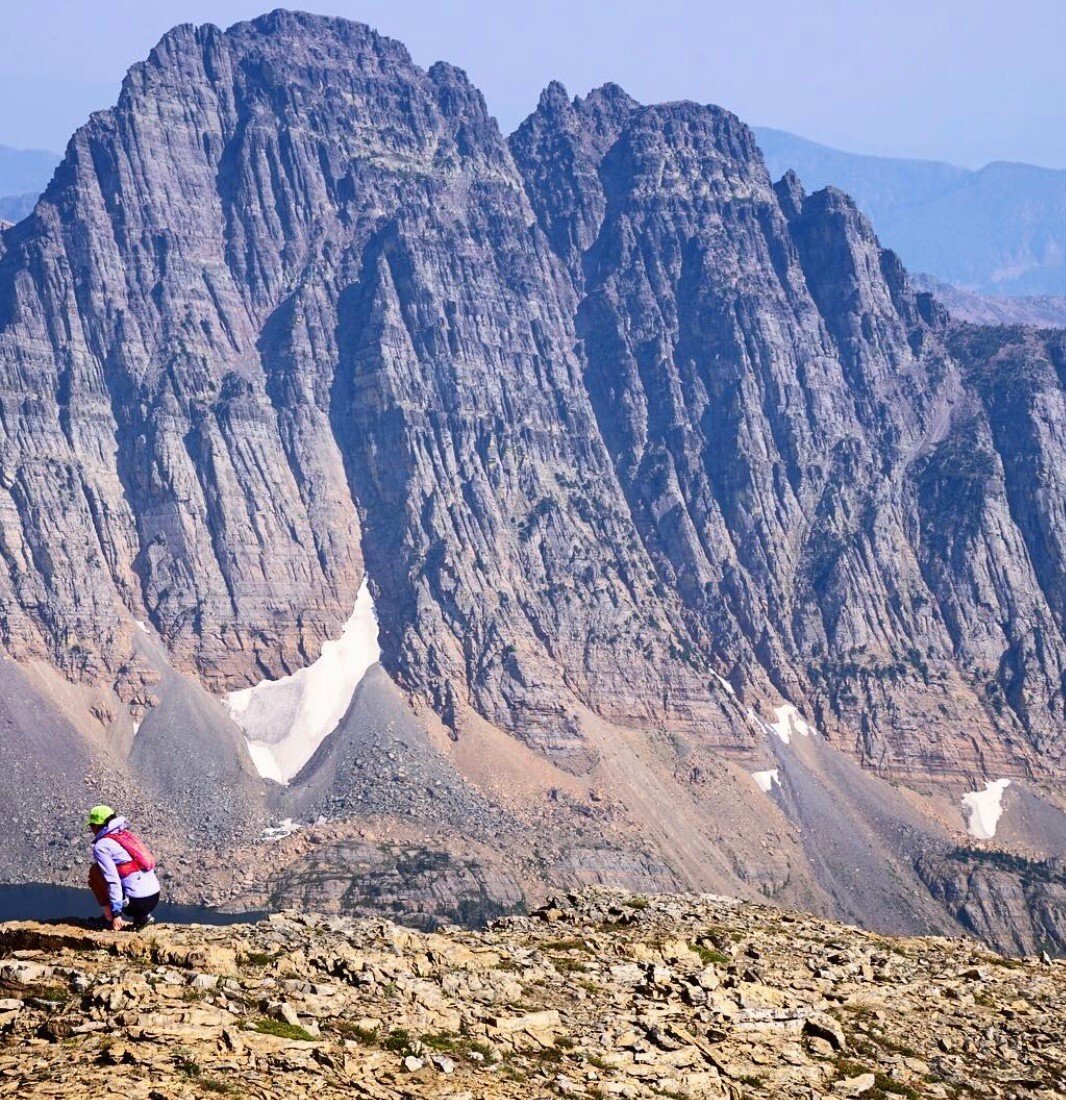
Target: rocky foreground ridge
[[597, 994]]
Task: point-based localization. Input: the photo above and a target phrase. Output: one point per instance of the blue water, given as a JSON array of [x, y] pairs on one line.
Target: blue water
[[38, 901]]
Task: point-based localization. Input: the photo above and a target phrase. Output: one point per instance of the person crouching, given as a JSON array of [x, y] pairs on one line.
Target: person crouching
[[122, 876]]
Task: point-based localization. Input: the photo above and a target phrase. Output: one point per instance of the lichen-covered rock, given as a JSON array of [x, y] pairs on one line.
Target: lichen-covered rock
[[601, 993]]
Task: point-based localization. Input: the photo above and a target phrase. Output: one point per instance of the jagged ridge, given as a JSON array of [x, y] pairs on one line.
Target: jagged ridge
[[681, 423], [625, 437]]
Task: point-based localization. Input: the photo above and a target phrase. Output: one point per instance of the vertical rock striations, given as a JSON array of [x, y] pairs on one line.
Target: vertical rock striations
[[779, 408], [601, 412]]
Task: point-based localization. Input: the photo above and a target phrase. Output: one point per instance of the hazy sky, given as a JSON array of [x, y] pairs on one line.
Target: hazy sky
[[961, 80]]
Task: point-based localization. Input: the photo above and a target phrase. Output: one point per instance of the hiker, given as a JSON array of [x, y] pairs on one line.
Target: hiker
[[122, 876]]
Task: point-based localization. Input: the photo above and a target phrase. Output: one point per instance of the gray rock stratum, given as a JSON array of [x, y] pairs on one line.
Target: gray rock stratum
[[637, 450]]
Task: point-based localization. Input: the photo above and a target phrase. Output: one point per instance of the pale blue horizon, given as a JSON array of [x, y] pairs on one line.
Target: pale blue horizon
[[964, 82]]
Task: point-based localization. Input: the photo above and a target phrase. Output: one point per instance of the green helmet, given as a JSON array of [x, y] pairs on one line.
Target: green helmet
[[98, 815]]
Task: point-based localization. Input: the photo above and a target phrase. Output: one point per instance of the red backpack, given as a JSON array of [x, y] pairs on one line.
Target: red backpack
[[141, 859]]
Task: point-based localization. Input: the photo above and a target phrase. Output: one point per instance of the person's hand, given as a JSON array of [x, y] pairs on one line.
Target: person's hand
[[117, 924]]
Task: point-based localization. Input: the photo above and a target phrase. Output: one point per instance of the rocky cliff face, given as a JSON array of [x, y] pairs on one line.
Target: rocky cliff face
[[988, 896], [624, 435], [600, 417], [775, 399], [600, 993], [312, 287]]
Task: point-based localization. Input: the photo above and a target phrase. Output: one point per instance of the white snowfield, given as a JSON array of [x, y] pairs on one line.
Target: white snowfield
[[284, 721], [789, 721], [767, 779], [263, 758], [983, 809]]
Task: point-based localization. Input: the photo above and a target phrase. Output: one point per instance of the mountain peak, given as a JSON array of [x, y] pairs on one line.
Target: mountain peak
[[996, 230], [554, 97], [790, 194], [612, 96], [674, 510]]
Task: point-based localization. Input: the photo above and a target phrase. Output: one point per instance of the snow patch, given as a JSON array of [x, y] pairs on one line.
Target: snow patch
[[767, 779], [284, 721], [725, 683], [983, 809], [789, 721], [141, 626], [285, 827], [264, 761]]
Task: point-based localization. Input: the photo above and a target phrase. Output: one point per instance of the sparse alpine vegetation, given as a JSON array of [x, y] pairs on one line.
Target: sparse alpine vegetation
[[788, 1006]]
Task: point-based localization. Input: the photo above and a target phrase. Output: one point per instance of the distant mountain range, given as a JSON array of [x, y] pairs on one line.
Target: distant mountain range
[[998, 230], [24, 170], [1041, 310], [23, 176], [14, 208]]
